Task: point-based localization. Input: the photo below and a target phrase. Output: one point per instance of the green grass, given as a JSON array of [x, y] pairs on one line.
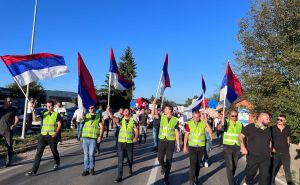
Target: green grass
[[30, 141]]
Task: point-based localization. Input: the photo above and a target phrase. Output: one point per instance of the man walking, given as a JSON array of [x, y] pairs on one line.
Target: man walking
[[51, 127], [156, 119], [127, 136], [194, 143], [258, 151], [168, 133], [231, 144], [281, 141], [91, 133], [8, 121], [144, 123], [79, 118]]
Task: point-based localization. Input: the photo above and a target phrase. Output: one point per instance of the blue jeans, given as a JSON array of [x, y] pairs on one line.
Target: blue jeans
[[155, 136], [116, 134], [88, 146], [207, 146], [79, 130]]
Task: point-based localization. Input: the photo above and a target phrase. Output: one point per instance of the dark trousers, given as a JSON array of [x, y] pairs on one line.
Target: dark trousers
[[195, 155], [261, 163], [231, 156], [42, 143], [122, 149], [165, 148], [9, 145], [285, 160], [29, 120], [107, 128]]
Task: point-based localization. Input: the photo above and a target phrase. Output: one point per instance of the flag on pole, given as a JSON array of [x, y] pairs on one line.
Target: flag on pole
[[86, 89], [196, 104], [116, 79], [231, 87], [29, 68], [164, 79]]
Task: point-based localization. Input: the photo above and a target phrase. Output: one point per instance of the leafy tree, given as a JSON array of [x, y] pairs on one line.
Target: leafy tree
[[269, 62], [190, 100], [36, 90]]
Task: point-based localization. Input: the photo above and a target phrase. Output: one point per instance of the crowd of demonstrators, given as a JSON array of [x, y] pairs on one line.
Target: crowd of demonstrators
[[51, 127], [266, 147], [92, 134], [8, 121]]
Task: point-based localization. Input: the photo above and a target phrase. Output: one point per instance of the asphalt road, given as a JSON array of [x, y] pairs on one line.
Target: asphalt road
[[145, 169]]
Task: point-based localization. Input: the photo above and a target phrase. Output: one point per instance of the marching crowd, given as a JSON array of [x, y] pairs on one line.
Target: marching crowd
[[266, 147]]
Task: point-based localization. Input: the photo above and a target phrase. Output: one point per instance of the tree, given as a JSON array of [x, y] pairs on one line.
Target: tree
[[127, 68], [269, 62], [190, 100], [36, 90]]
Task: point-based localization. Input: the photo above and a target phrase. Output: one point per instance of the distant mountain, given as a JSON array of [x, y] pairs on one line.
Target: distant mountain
[[61, 95]]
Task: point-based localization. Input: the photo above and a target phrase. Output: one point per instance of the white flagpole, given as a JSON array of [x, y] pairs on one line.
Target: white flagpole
[[108, 99], [31, 52], [158, 84], [162, 102], [225, 94], [132, 89]]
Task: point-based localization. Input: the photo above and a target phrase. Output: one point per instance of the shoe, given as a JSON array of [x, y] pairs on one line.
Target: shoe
[[56, 166], [119, 179], [244, 183], [206, 164], [59, 143], [162, 172], [130, 171], [85, 173], [30, 173], [8, 165], [93, 172]]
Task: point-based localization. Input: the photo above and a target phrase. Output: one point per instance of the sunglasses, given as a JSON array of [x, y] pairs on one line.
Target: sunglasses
[[280, 120], [234, 116]]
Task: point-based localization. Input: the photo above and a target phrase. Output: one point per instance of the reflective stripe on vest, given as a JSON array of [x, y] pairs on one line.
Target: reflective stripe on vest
[[167, 129], [91, 127], [197, 133], [126, 133], [231, 136], [49, 123]]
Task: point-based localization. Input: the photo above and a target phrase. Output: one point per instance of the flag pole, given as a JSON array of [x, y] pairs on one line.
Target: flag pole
[[132, 89], [225, 94], [20, 87], [158, 84], [109, 80], [31, 52], [162, 102]]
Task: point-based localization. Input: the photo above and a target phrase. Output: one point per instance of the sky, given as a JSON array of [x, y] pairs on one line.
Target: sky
[[199, 36]]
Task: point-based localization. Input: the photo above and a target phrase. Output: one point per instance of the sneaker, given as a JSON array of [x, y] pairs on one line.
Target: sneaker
[[30, 173], [206, 164], [119, 179], [93, 172], [130, 171], [85, 173], [162, 172], [56, 166]]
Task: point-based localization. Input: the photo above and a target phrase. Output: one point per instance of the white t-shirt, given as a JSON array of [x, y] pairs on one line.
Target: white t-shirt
[[60, 110], [79, 115], [29, 108]]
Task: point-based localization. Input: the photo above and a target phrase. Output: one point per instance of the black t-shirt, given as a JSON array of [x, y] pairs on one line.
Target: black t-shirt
[[156, 122], [258, 140], [280, 139], [143, 119], [7, 118]]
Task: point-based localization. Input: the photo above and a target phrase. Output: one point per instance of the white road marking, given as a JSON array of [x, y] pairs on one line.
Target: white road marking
[[153, 174]]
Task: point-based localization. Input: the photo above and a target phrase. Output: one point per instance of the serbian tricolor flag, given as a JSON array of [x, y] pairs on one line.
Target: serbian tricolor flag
[[164, 79], [231, 87], [196, 104], [29, 68], [115, 78], [86, 89]]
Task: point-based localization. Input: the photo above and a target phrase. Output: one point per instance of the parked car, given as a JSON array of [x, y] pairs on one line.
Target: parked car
[[35, 124]]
